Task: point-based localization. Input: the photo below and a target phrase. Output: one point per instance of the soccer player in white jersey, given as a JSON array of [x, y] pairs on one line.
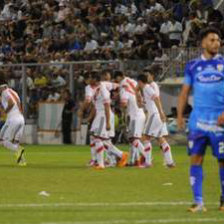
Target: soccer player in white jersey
[[156, 122], [89, 92], [102, 124], [136, 115], [12, 131]]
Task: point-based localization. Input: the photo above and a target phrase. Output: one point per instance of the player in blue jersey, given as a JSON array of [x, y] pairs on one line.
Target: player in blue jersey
[[205, 77]]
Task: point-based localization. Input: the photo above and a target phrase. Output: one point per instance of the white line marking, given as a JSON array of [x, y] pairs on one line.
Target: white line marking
[[145, 221], [100, 204]]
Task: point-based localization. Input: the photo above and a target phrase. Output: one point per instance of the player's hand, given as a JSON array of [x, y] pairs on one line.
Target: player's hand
[[221, 119], [108, 126], [180, 123], [162, 117]]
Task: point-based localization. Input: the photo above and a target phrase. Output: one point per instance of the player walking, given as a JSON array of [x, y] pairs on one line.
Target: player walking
[[205, 76], [156, 122]]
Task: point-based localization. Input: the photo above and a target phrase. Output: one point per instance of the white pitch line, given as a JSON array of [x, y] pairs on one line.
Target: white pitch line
[[100, 204], [145, 221]]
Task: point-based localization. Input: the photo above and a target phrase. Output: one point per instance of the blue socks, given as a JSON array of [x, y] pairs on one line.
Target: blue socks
[[196, 179], [221, 174]]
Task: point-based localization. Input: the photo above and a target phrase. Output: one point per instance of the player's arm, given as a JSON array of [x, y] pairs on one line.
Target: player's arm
[[92, 114], [160, 108], [139, 97], [81, 110], [184, 95], [107, 112], [106, 99], [10, 105], [182, 102]]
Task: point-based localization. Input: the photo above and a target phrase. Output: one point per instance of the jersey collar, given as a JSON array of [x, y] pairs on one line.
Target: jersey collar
[[215, 57]]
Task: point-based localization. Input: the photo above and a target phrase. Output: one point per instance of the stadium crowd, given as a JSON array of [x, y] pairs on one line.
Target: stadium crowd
[[68, 30], [37, 31]]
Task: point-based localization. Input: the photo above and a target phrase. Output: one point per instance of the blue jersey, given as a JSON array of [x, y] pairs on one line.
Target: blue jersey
[[206, 78]]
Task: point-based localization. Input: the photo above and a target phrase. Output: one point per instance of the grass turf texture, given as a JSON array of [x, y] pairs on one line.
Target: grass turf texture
[[78, 193]]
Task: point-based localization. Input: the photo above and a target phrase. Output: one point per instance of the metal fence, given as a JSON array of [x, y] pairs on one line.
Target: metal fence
[[177, 59], [73, 73]]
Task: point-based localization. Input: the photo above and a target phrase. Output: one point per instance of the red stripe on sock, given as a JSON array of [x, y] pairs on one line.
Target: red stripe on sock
[[166, 149], [100, 149], [92, 145], [148, 149]]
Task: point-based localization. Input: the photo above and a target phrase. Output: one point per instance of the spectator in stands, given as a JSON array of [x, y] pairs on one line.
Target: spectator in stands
[[67, 115], [57, 79]]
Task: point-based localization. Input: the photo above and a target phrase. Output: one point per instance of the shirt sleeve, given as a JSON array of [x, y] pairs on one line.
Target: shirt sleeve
[[88, 94], [124, 96], [5, 98], [105, 95], [188, 79], [151, 92]]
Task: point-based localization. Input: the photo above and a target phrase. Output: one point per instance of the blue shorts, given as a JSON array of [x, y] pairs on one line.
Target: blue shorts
[[199, 140]]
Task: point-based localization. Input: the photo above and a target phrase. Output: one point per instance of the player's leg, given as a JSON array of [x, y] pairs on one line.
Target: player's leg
[[197, 143], [217, 144], [99, 152], [11, 134], [136, 130], [221, 175], [93, 161], [147, 151], [166, 149]]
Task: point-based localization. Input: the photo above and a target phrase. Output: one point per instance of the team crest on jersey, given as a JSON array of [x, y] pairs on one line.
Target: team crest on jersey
[[220, 67], [199, 68]]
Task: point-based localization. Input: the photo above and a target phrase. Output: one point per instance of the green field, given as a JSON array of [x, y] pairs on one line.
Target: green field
[[81, 195]]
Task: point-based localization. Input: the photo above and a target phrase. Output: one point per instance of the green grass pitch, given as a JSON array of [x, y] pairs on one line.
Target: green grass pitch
[[81, 195]]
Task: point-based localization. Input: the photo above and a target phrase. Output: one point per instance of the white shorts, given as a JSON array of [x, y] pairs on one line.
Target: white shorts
[[98, 127], [13, 129], [136, 126], [155, 127]]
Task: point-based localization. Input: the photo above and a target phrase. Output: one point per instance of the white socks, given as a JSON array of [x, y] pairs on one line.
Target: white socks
[[11, 146], [92, 148], [167, 153], [113, 149], [148, 152], [99, 152]]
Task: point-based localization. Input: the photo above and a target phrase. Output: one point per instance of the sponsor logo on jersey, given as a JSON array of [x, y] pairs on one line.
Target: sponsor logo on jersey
[[220, 67], [209, 78]]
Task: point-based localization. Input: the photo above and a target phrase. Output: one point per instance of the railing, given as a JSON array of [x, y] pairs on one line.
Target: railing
[[73, 74], [177, 59]]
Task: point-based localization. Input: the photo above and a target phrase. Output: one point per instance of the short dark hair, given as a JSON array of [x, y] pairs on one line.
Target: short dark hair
[[118, 74], [3, 80], [206, 31], [142, 78], [95, 76], [153, 69], [104, 72]]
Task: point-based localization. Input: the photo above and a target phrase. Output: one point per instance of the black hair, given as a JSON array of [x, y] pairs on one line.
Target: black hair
[[142, 78], [153, 69], [3, 80], [206, 31], [104, 72], [95, 75], [118, 74]]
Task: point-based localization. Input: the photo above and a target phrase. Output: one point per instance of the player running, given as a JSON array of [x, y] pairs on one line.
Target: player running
[[136, 115], [155, 126], [205, 76], [12, 131]]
